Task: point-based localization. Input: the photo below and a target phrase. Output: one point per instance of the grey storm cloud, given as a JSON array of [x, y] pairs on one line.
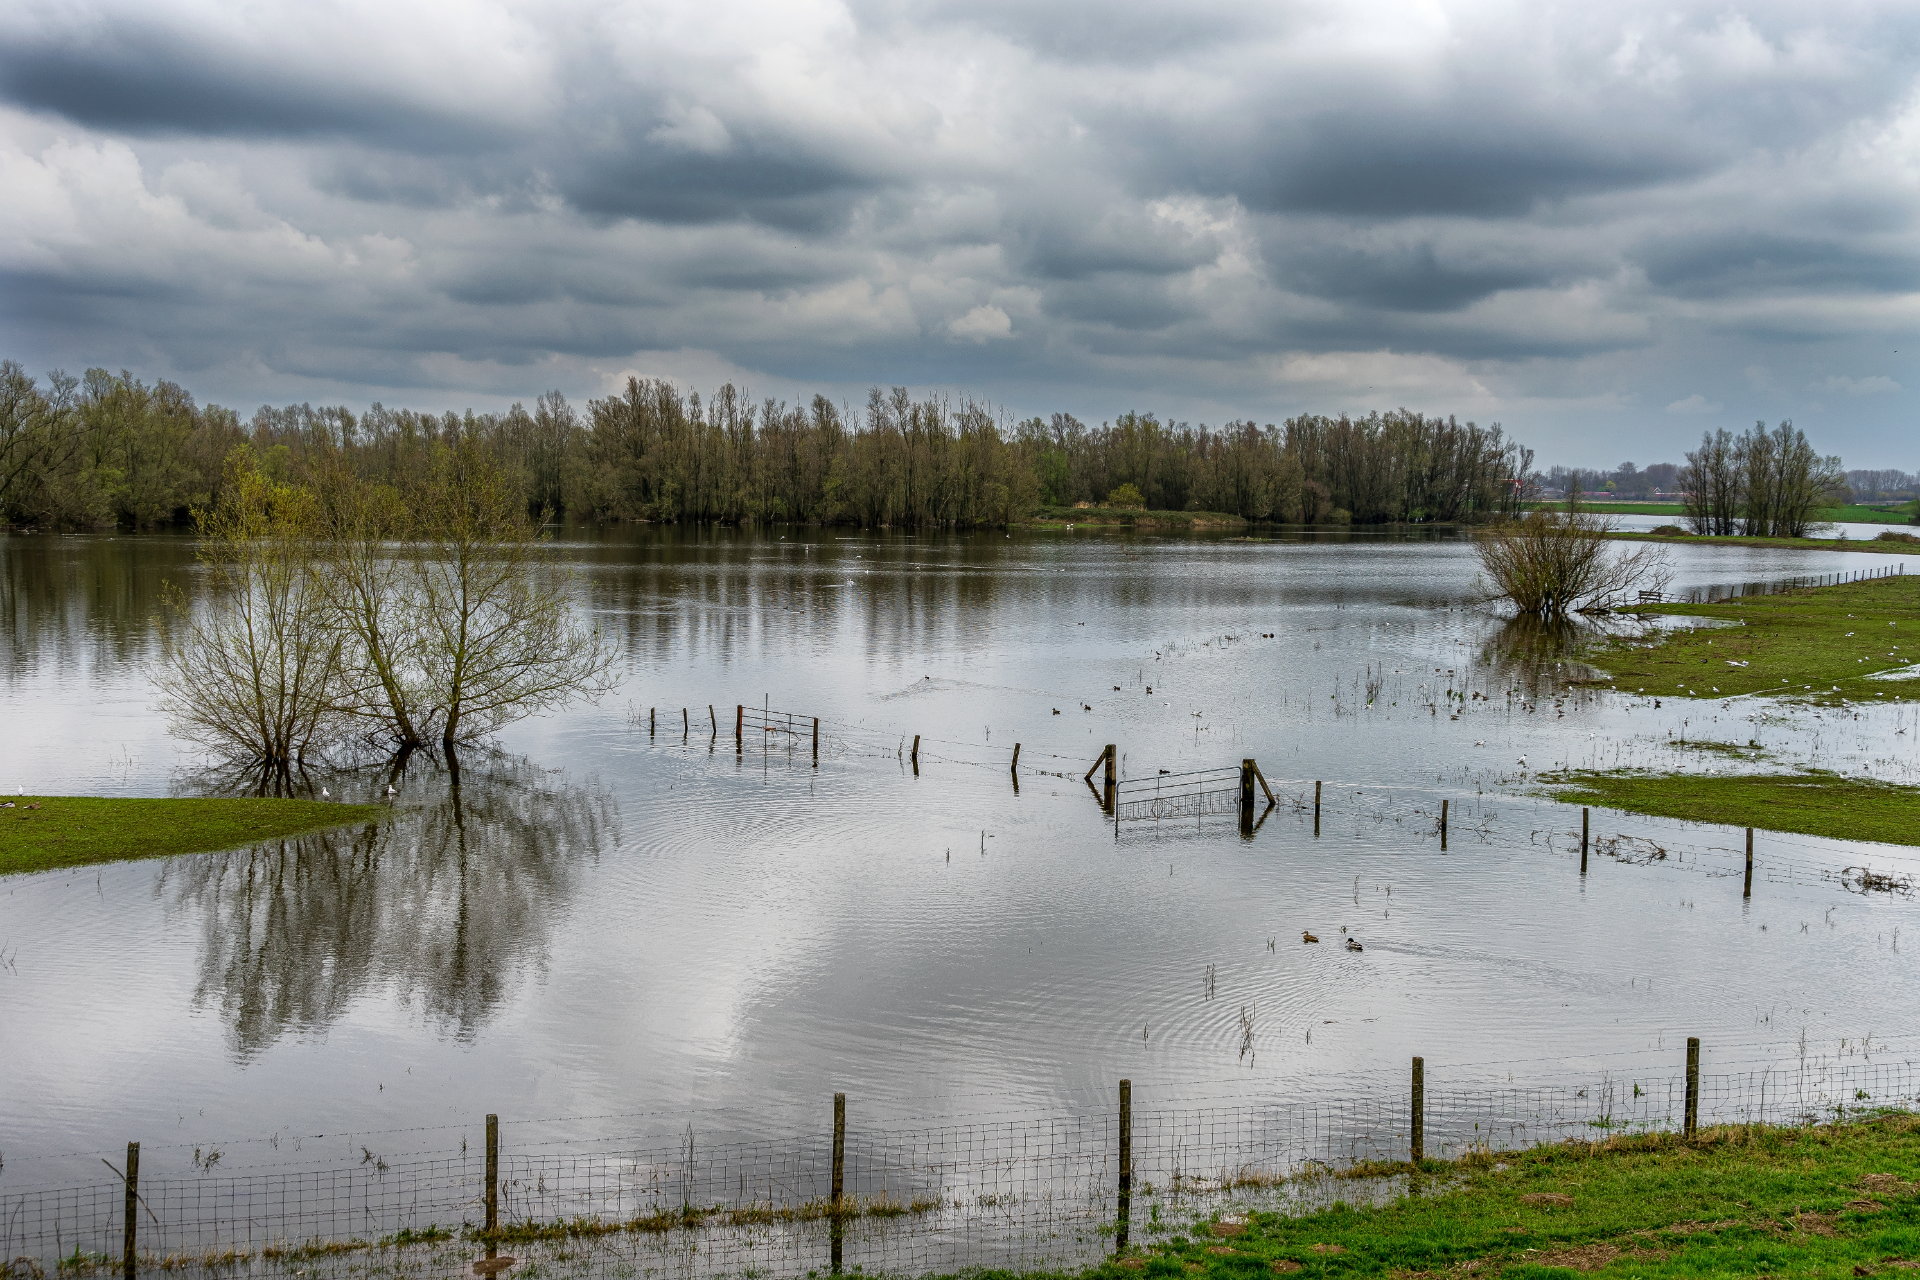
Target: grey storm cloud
[[1563, 216]]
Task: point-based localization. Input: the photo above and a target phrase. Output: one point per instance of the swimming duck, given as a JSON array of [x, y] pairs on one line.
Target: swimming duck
[[1353, 944], [1307, 937]]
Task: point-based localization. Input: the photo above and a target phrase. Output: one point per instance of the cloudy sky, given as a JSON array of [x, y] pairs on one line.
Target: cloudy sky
[[1607, 226]]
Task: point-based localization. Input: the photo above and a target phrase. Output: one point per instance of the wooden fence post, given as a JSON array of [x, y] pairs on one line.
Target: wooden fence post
[[129, 1244], [1016, 757], [816, 742], [915, 756], [493, 1175], [1748, 891], [1419, 1110], [1443, 825], [1316, 808], [651, 726], [739, 727], [1126, 1165], [1583, 842], [1692, 1121], [835, 1211]]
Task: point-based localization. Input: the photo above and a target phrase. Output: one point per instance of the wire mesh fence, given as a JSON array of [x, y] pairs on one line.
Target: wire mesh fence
[[1033, 1191]]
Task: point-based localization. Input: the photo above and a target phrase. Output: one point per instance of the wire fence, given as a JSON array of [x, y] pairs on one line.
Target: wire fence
[[1034, 1191], [1735, 590]]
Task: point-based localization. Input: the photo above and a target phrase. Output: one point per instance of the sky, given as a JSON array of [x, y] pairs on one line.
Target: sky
[[1607, 226]]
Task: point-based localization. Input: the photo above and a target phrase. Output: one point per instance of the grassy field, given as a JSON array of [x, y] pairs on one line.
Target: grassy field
[[1853, 513], [1131, 517], [71, 831], [1819, 644], [1839, 1200], [1812, 803]]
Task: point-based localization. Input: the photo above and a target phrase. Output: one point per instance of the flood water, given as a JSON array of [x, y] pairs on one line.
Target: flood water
[[606, 921]]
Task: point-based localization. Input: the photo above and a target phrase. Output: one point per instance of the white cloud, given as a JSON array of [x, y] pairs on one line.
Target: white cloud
[[982, 324], [1695, 403]]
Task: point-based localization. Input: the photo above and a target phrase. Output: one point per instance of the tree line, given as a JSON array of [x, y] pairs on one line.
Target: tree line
[[108, 450], [1760, 484]]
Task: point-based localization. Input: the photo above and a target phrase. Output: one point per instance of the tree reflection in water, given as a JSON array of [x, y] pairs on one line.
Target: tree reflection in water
[[444, 901], [1539, 656]]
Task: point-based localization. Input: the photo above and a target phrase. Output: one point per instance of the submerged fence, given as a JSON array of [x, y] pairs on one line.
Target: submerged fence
[[1046, 1190], [1735, 590]]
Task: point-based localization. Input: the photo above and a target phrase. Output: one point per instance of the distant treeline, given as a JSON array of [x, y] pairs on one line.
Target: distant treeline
[[104, 451]]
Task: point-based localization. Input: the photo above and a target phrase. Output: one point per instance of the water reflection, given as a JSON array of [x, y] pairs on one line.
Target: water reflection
[[1537, 655], [444, 903]]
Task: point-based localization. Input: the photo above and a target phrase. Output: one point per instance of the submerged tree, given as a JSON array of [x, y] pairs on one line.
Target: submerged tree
[[252, 674], [496, 634], [1555, 563]]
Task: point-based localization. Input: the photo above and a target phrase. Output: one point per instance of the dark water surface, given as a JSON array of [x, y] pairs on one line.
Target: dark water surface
[[602, 921]]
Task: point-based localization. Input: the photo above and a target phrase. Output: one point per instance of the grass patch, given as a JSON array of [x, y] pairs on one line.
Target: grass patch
[[1813, 803], [1740, 1201], [1852, 513], [1132, 517], [1816, 643], [71, 831], [1800, 544]]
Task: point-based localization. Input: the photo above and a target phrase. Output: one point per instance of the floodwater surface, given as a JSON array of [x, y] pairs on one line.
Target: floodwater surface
[[618, 912]]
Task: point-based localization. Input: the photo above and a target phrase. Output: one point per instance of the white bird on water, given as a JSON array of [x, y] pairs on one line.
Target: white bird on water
[[391, 793], [325, 794]]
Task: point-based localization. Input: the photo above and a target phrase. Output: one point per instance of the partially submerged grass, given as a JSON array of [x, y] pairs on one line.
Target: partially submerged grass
[[71, 831], [1874, 545], [1812, 803], [1739, 1201], [1816, 643]]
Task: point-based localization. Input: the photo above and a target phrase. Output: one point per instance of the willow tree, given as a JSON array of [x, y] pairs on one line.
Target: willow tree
[[497, 636], [1555, 563], [252, 671]]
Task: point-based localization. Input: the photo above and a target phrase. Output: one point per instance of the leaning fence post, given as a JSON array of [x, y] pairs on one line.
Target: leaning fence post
[[1016, 757], [915, 755], [1693, 1085], [1748, 891], [1126, 1165], [493, 1175], [129, 1254], [1419, 1110]]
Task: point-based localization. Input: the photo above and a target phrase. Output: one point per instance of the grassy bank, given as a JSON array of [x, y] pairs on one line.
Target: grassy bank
[[1817, 643], [1812, 803], [1852, 513], [1131, 517], [1746, 1201], [71, 831], [1875, 545]]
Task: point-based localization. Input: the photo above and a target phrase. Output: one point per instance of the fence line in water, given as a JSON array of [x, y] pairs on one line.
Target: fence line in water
[[1043, 1190]]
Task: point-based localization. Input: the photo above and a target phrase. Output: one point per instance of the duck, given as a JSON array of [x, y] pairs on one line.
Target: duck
[[1353, 944], [1307, 937]]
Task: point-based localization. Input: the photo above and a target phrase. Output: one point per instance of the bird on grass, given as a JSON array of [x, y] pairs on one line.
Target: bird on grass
[[325, 794]]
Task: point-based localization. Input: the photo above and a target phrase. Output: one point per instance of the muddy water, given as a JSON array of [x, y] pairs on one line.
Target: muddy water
[[603, 920]]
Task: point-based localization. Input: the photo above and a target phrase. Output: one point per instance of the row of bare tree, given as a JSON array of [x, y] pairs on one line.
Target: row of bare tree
[[393, 614], [1768, 484], [107, 450]]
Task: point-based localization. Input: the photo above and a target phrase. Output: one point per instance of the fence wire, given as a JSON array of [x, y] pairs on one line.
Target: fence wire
[[1019, 1192]]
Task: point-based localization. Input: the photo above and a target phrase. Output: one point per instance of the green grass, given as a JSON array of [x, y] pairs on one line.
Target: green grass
[[1852, 513], [71, 831], [1803, 544], [1814, 803], [1817, 643], [1744, 1201]]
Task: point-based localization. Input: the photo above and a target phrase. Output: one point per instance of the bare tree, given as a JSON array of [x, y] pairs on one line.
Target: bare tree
[[252, 672], [1711, 484], [499, 641], [1552, 564]]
